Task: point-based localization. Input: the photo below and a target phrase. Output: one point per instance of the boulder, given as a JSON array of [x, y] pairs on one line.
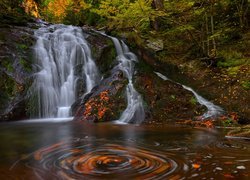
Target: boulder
[[106, 102], [155, 45]]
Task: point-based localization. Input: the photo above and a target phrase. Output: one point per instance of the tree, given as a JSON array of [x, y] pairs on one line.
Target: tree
[[30, 7], [130, 15]]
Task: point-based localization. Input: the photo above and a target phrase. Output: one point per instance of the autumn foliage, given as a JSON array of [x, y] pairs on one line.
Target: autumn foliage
[[98, 107], [228, 119], [30, 7]]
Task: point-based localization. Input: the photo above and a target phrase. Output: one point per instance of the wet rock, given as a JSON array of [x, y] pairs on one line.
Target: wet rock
[[240, 132], [155, 45], [103, 51], [15, 71], [106, 101], [166, 101], [81, 83]]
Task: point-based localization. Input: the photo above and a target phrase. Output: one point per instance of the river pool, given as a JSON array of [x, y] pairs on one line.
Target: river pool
[[74, 150]]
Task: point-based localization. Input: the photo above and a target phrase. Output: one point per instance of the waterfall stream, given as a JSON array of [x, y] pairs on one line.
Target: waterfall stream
[[59, 51], [212, 109], [134, 111]]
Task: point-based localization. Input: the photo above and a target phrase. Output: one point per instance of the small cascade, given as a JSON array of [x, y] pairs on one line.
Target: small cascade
[[134, 111], [59, 50], [212, 109]]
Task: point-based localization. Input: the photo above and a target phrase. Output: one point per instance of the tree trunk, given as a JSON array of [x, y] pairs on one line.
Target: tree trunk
[[157, 5], [207, 30], [212, 32], [203, 38], [213, 53], [242, 8]]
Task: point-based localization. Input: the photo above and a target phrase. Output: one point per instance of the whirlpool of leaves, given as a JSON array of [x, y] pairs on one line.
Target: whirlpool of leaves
[[82, 159]]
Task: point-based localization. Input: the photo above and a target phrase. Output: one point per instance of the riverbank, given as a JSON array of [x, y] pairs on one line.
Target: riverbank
[[226, 83], [224, 86]]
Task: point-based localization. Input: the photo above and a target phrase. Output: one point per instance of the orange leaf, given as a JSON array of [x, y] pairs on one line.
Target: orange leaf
[[196, 166]]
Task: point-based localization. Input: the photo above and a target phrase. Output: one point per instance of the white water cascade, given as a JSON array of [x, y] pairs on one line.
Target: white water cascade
[[135, 110], [58, 51], [212, 109]]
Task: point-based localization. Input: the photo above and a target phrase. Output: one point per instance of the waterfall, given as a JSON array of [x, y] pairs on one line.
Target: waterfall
[[134, 111], [212, 109], [59, 50]]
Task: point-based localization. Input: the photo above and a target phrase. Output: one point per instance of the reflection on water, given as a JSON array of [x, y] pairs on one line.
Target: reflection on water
[[71, 150]]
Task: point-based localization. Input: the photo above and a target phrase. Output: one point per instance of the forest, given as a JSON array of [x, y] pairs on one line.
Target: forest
[[138, 89], [187, 29], [190, 34]]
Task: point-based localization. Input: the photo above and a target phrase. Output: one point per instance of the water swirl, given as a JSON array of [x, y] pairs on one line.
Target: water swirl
[[98, 160]]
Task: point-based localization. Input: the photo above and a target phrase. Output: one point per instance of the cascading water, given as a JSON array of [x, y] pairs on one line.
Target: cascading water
[[212, 109], [59, 50], [134, 111]]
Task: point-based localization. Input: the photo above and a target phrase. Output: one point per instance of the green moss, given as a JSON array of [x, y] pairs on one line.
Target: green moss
[[8, 86], [7, 64], [26, 65], [246, 85], [231, 62], [173, 97], [231, 59], [228, 122], [233, 71], [22, 46], [193, 100]]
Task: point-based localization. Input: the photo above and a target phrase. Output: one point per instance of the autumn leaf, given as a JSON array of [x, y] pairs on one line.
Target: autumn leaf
[[196, 166]]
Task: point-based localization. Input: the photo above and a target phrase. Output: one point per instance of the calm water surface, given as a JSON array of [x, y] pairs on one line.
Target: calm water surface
[[71, 150]]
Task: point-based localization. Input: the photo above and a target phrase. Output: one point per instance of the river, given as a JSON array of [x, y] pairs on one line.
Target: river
[[75, 150], [59, 148]]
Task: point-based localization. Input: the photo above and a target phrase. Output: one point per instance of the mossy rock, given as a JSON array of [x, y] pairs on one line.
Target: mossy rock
[[15, 70], [106, 102], [103, 51], [166, 101], [241, 132]]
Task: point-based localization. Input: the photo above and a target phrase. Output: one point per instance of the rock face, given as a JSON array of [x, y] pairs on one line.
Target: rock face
[[155, 45], [107, 100], [15, 71], [164, 100]]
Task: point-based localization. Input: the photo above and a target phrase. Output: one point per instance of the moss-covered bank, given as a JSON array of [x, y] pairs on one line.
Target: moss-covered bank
[[225, 82]]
